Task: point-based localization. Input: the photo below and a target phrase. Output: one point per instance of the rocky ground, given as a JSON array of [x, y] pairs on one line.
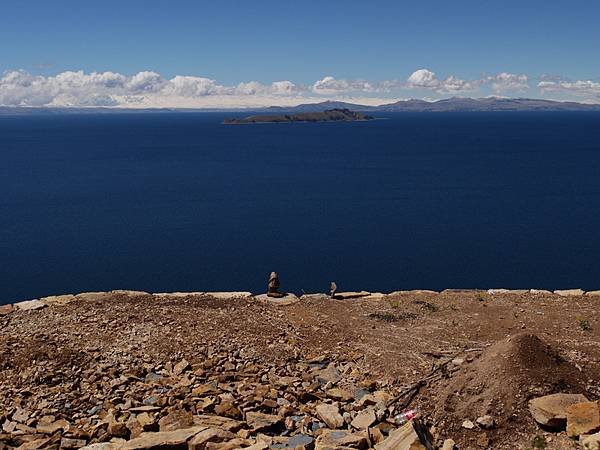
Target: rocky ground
[[128, 370]]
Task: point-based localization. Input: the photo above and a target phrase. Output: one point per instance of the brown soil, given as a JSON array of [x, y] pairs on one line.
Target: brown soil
[[513, 347], [499, 383]]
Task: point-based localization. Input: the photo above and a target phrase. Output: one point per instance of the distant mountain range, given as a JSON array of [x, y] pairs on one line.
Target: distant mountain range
[[455, 104]]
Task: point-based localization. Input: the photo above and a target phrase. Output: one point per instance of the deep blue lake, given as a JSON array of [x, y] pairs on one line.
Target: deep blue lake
[[179, 202]]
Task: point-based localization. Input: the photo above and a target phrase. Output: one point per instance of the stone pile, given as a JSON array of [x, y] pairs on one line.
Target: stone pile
[[228, 401], [65, 389]]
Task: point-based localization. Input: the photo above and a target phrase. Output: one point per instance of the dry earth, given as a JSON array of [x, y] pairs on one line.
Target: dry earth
[[117, 368]]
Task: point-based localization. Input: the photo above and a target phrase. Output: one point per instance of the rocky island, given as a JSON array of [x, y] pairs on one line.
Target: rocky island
[[329, 115], [119, 370]]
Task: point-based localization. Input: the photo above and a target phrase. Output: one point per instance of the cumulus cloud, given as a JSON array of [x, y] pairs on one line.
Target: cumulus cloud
[[423, 78], [506, 82], [186, 86], [149, 89], [578, 88], [420, 79], [426, 79], [501, 82], [76, 88], [18, 87], [454, 84], [331, 85], [285, 88], [275, 88], [145, 82]]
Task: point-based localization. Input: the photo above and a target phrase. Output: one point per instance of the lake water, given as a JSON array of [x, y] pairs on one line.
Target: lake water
[[179, 202]]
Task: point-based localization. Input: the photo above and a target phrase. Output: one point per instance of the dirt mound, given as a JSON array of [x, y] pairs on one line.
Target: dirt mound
[[500, 383]]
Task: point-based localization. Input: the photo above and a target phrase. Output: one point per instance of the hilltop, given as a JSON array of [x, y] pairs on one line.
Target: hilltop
[[132, 370]]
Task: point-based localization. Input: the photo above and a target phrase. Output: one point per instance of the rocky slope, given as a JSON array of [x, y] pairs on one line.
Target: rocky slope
[[131, 370]]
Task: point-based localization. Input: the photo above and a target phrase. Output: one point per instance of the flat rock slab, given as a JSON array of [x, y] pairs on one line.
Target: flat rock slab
[[161, 439], [404, 438], [375, 296], [92, 296], [593, 293], [551, 410], [288, 299], [364, 419], [497, 291], [414, 292], [6, 309], [334, 439], [229, 295], [508, 291], [583, 418], [350, 295], [129, 292], [318, 296], [30, 305], [199, 441], [177, 294], [224, 423], [59, 300], [460, 291], [330, 414], [340, 394], [330, 374], [259, 421], [569, 292], [539, 291]]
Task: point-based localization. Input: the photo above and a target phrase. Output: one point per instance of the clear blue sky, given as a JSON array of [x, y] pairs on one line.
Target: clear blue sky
[[303, 41]]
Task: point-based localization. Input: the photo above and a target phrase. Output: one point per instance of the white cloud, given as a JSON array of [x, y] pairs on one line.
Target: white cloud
[[426, 79], [502, 82], [579, 88], [276, 88], [146, 82], [186, 86], [331, 85], [19, 88], [149, 89], [285, 88], [506, 82], [423, 78], [454, 84]]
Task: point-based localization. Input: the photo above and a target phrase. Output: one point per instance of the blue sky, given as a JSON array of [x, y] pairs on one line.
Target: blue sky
[[380, 44]]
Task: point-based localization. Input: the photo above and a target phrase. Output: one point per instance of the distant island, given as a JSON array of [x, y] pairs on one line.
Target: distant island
[[329, 115]]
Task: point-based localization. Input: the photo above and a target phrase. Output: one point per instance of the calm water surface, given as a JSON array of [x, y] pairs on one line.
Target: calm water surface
[[165, 202]]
